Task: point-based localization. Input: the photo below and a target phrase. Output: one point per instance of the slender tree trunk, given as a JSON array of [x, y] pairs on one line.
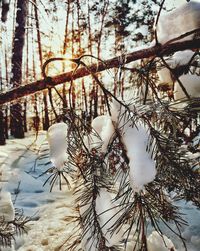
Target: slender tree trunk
[[104, 12], [66, 29], [78, 24], [6, 122], [46, 115], [2, 129], [96, 95], [84, 94], [89, 28], [73, 94], [4, 11], [36, 119], [25, 116], [52, 105], [4, 83], [90, 48], [27, 75], [65, 105], [16, 121], [2, 134], [38, 34], [6, 65]]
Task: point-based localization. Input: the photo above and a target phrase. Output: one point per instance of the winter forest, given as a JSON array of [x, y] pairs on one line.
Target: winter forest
[[99, 125]]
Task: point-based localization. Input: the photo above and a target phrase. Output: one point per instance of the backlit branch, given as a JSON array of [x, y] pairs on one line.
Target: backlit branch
[[154, 51]]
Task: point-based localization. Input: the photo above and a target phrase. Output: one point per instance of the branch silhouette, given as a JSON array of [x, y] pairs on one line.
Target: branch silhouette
[[154, 51]]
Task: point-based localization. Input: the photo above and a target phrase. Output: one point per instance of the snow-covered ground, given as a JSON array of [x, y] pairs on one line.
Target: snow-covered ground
[[49, 229], [17, 159]]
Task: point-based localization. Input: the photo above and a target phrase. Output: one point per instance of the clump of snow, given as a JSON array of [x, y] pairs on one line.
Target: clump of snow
[[88, 240], [104, 130], [108, 215], [57, 139], [142, 166], [156, 242], [104, 127], [117, 111], [7, 210], [179, 21], [165, 76], [191, 84], [179, 58]]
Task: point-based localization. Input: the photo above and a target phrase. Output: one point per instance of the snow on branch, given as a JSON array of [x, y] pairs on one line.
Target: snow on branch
[[174, 24]]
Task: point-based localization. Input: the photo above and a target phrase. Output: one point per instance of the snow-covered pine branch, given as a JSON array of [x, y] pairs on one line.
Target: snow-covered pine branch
[[175, 61], [104, 128], [57, 136], [191, 82], [180, 67], [177, 22], [171, 28], [57, 139], [135, 137]]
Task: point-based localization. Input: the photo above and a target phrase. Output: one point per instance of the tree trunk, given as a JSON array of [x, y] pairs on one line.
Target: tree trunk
[[4, 10], [46, 116], [2, 134], [25, 116], [6, 123], [2, 129], [65, 104], [16, 121]]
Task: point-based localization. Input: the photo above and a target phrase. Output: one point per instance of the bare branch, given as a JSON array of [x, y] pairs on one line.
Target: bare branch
[[157, 50]]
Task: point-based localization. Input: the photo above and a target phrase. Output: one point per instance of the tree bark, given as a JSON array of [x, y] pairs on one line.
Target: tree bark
[[16, 121], [155, 51], [6, 123], [4, 11], [46, 115], [2, 129], [25, 116], [65, 105]]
